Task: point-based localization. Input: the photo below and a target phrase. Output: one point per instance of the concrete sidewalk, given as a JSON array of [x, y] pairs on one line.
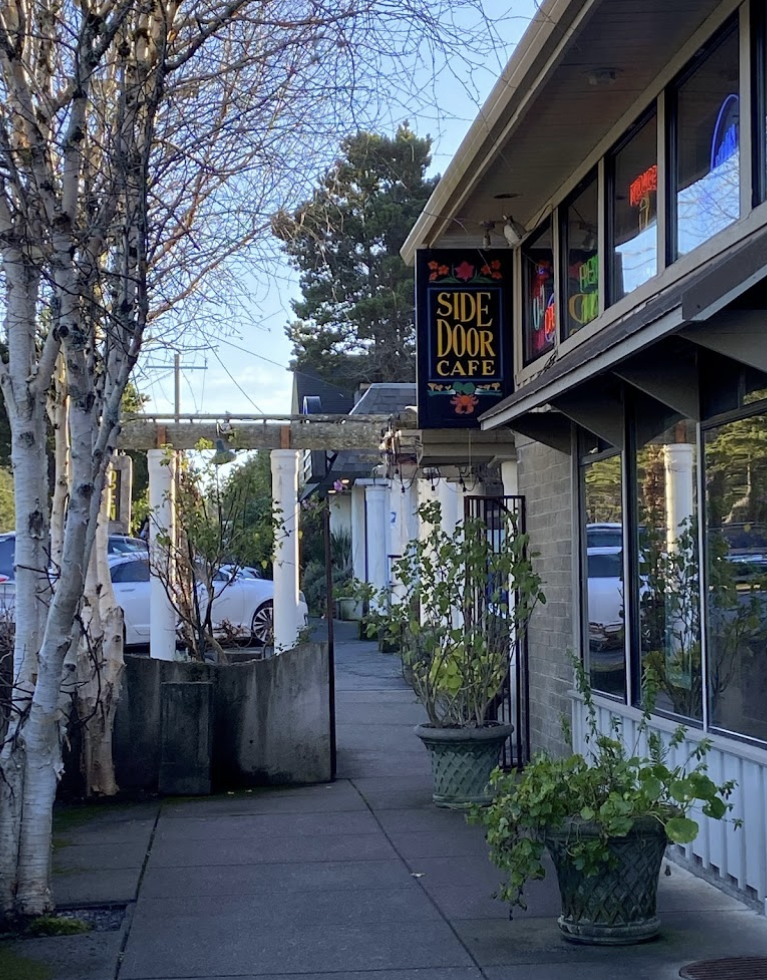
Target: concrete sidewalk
[[363, 879]]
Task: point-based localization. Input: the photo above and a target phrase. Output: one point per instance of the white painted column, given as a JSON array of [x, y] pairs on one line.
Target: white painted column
[[376, 500], [285, 463], [510, 478], [426, 491], [359, 544], [401, 525], [452, 494], [678, 460], [162, 523], [400, 507]]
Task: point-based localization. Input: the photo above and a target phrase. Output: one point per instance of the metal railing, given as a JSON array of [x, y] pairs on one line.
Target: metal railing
[[512, 703]]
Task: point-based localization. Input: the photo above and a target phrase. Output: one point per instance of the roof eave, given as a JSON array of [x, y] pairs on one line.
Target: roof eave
[[480, 144]]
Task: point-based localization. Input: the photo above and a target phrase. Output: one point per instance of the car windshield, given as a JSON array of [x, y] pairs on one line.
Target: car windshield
[[605, 566], [124, 546]]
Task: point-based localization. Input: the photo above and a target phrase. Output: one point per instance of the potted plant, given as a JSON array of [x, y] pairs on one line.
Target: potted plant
[[458, 605], [605, 818]]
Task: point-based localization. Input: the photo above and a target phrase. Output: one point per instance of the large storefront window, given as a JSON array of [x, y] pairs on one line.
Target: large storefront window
[[707, 145], [667, 579], [539, 322], [633, 231], [736, 566], [604, 589], [579, 245]]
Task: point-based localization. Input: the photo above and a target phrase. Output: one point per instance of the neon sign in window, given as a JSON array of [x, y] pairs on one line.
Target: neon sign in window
[[580, 232], [633, 254], [539, 323], [707, 197]]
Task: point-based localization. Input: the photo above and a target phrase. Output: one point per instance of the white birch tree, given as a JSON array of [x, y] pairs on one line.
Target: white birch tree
[[144, 145]]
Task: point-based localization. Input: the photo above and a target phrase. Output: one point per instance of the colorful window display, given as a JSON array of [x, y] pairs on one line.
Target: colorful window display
[[634, 210], [580, 238], [539, 321]]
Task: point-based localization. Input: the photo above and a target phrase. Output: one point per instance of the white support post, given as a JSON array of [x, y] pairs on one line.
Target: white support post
[[510, 478], [426, 491], [358, 532], [452, 494], [678, 460], [285, 464], [376, 498], [162, 523]]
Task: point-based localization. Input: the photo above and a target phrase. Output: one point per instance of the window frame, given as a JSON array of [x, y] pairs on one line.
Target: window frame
[[731, 27], [584, 460], [549, 221], [610, 188], [592, 177]]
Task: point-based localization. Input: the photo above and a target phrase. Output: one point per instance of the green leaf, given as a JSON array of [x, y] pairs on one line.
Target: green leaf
[[715, 808], [681, 830]]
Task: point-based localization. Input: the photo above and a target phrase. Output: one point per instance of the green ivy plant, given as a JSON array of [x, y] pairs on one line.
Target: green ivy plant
[[460, 603], [610, 788]]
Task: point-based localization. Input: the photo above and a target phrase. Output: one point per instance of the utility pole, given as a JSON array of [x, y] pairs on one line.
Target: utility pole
[[177, 385], [177, 369]]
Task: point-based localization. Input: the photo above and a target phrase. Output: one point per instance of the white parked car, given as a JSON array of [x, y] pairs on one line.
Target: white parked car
[[245, 604], [604, 568]]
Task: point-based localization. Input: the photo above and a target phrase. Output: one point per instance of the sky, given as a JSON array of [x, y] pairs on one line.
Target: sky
[[247, 372]]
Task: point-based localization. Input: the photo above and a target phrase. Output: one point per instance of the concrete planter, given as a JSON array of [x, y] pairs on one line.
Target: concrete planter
[[348, 609], [462, 760], [617, 907], [267, 722]]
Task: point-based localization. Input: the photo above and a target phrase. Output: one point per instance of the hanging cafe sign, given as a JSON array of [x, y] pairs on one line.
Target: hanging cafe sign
[[463, 304]]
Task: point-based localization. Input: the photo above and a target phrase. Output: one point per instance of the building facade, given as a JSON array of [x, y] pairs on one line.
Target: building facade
[[622, 156]]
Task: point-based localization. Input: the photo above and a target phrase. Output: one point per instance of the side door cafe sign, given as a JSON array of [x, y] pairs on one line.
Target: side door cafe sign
[[463, 342]]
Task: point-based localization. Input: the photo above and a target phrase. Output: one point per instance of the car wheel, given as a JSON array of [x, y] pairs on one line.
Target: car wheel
[[262, 626]]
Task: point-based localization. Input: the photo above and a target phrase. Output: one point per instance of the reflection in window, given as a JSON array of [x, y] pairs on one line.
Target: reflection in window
[[604, 596], [736, 566], [668, 579], [579, 229], [634, 243], [708, 147], [540, 315]]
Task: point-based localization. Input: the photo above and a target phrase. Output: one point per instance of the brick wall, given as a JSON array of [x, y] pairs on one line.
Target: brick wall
[[545, 479]]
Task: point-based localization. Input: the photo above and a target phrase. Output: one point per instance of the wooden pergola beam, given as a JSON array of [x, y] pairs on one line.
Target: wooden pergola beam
[[347, 432]]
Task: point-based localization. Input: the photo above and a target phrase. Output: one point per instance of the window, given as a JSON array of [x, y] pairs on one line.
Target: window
[[130, 571], [666, 586], [580, 221], [604, 587], [736, 575], [633, 169], [539, 321], [706, 146]]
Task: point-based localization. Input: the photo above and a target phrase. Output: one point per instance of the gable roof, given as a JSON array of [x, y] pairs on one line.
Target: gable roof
[[333, 400]]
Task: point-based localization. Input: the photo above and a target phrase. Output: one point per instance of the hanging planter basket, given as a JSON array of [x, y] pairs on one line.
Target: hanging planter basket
[[462, 760], [616, 907]]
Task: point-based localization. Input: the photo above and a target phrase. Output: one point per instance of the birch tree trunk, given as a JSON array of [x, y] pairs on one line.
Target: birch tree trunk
[[100, 665]]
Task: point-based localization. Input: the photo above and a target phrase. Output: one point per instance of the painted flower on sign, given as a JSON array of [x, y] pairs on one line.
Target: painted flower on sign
[[464, 404], [464, 271]]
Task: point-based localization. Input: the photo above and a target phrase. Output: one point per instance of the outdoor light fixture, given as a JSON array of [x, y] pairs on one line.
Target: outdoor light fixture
[[513, 231]]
